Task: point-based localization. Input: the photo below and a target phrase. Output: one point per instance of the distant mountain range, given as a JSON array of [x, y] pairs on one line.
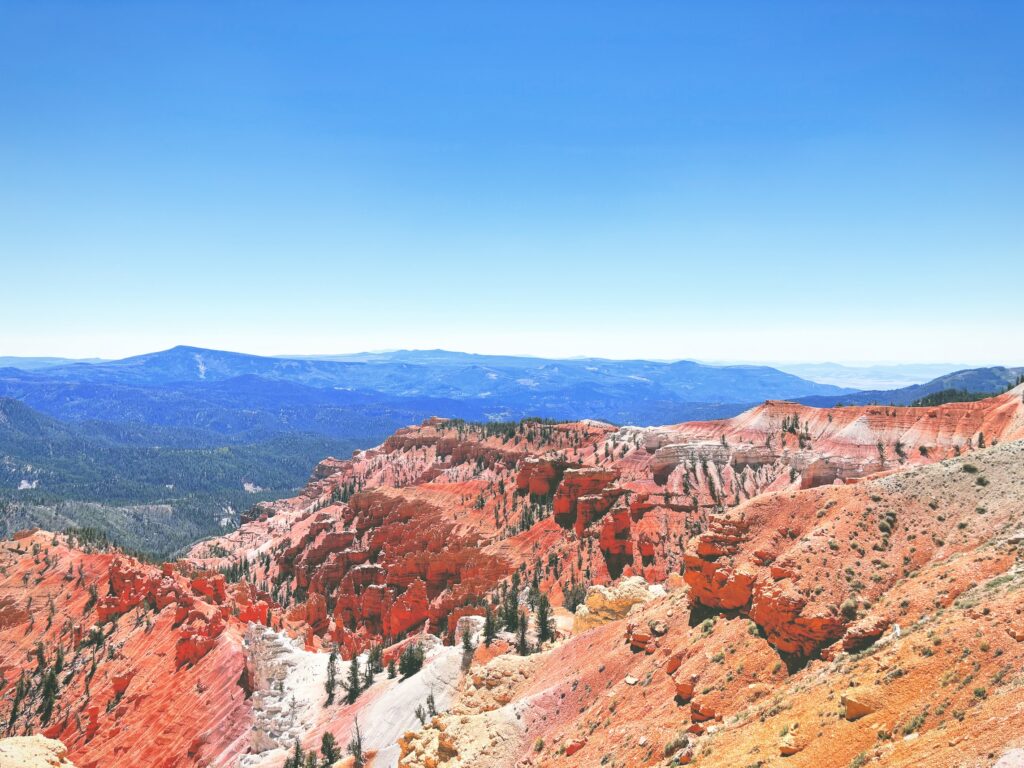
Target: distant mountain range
[[159, 449], [236, 395], [975, 380], [873, 377], [34, 363], [429, 372]]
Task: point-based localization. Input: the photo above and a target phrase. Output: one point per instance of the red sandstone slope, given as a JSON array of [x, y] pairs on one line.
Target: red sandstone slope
[[922, 669], [420, 531], [145, 660]]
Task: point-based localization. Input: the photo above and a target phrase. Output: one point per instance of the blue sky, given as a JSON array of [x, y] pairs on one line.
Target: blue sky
[[756, 181]]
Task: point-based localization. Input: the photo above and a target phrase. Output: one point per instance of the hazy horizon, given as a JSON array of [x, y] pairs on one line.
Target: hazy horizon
[[774, 362]]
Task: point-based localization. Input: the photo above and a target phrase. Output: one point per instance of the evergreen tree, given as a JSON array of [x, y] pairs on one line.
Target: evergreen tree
[[368, 674], [411, 660], [297, 758], [534, 594], [510, 611], [49, 696], [522, 647], [332, 676], [20, 691], [354, 680], [374, 661], [574, 596], [545, 621], [329, 750], [490, 630]]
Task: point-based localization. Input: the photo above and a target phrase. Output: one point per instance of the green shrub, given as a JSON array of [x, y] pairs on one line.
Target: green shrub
[[849, 608]]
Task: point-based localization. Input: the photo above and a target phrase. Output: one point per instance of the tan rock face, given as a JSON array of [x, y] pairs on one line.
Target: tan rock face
[[604, 604], [33, 752], [859, 702]]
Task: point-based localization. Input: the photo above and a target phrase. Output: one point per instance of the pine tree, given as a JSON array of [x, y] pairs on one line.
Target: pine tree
[[368, 674], [522, 647], [374, 661], [49, 696], [329, 750], [574, 596], [353, 686], [20, 690], [431, 704], [296, 760], [490, 630], [510, 611], [545, 621], [411, 660], [534, 593], [332, 676]]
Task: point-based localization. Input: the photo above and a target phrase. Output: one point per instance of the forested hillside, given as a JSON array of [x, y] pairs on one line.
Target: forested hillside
[[144, 486]]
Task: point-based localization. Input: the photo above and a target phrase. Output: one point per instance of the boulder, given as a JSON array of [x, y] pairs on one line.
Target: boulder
[[575, 746], [604, 604], [684, 688], [859, 702], [791, 742]]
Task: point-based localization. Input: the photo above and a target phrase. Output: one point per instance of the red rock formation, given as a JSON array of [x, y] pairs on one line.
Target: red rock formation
[[783, 554], [142, 704], [539, 476], [615, 541], [130, 585], [583, 495], [198, 634]]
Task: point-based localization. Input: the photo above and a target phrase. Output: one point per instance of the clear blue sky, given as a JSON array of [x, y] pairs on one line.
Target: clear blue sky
[[803, 181]]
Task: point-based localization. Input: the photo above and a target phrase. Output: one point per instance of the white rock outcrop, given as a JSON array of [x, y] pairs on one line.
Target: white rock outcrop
[[604, 604]]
